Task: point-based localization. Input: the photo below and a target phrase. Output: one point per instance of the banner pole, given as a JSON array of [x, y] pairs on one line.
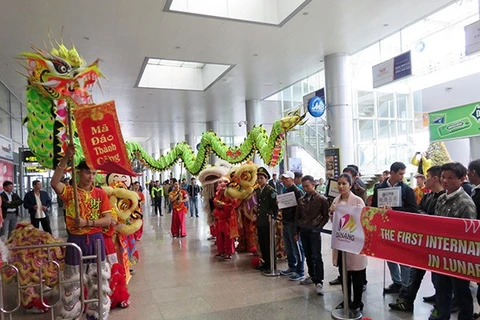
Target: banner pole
[[272, 272], [73, 178], [285, 158], [345, 313], [384, 271]]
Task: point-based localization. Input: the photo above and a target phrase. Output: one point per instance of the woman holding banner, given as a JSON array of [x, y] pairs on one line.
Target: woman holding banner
[[356, 264]]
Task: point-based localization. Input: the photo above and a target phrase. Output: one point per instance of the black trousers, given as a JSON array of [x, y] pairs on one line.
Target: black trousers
[[355, 279], [44, 221], [158, 205], [312, 246], [263, 233], [444, 287]]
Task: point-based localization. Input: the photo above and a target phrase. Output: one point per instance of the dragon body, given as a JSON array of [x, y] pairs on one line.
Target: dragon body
[[61, 78]]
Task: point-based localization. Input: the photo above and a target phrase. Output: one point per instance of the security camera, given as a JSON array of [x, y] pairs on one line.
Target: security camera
[[242, 122]]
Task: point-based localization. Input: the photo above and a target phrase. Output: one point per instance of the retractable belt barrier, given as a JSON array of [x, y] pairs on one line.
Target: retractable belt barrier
[[301, 226]]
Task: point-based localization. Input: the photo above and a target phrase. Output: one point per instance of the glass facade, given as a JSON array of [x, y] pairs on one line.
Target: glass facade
[[11, 115], [387, 119]]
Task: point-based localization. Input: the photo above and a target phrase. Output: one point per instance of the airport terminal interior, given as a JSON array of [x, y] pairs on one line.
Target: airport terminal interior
[[308, 86]]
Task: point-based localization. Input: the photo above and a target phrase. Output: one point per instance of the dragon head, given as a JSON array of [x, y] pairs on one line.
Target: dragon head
[[292, 119], [242, 181], [61, 73]]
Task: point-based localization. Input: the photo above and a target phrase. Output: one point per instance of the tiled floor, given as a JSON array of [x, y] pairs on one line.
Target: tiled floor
[[180, 279]]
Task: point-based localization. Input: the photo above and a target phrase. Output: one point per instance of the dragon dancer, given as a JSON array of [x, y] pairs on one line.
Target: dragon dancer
[[224, 214], [178, 198], [84, 230]]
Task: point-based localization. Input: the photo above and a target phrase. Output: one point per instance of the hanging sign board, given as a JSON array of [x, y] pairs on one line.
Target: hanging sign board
[[392, 70], [455, 123]]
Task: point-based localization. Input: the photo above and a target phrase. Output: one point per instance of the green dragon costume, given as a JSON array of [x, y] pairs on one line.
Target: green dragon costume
[[62, 78]]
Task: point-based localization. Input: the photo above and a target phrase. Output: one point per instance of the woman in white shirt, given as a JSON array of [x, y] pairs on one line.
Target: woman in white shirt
[[356, 264]]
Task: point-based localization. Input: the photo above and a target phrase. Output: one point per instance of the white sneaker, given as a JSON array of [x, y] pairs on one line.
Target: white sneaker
[[319, 289]]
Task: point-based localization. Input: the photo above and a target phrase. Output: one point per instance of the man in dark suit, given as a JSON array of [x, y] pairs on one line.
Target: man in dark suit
[[400, 274], [38, 203], [267, 206], [10, 203], [275, 184]]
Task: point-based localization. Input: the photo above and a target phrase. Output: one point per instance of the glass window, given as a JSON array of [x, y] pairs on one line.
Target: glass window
[[384, 129], [402, 106], [390, 47], [366, 108], [4, 99], [16, 131], [297, 92], [16, 107], [4, 123], [366, 130], [386, 106]]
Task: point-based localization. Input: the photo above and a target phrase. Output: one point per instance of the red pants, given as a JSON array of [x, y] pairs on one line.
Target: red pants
[[225, 245], [178, 223], [213, 232]]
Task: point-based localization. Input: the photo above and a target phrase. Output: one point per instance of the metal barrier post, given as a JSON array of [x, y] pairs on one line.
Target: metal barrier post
[[345, 313], [272, 272], [98, 252]]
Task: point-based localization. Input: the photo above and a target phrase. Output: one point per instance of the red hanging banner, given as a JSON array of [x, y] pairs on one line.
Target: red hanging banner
[[444, 245], [101, 138]]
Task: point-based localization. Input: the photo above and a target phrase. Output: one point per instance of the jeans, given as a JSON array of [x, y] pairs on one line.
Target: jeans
[[295, 257], [400, 274], [445, 285], [193, 201], [409, 293], [312, 245], [9, 223]]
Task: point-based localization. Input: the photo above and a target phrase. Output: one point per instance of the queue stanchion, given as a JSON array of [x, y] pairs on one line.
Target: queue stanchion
[[345, 313], [272, 272]]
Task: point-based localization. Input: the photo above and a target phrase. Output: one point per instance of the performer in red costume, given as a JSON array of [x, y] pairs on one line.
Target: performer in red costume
[[224, 212], [178, 197]]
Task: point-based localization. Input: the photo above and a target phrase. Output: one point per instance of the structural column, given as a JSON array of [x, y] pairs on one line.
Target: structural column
[[176, 168], [474, 148], [215, 127], [339, 106], [253, 117], [190, 140]]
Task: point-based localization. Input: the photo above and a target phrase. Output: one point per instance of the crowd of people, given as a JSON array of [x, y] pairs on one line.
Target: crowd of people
[[443, 190]]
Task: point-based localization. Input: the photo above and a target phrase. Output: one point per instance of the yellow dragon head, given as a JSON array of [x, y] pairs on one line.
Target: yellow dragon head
[[243, 181], [292, 119]]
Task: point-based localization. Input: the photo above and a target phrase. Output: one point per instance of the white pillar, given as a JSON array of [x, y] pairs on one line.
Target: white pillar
[[253, 113], [474, 148], [190, 140], [339, 106], [215, 127]]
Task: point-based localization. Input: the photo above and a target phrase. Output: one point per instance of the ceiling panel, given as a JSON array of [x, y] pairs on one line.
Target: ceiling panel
[[122, 33]]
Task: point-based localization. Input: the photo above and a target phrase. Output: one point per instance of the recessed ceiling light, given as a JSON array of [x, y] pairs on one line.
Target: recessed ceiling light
[[86, 38], [177, 47], [305, 13], [180, 75], [255, 55], [385, 24], [321, 60], [249, 11]]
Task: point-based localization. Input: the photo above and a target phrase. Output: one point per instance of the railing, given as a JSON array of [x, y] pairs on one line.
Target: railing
[[311, 137], [40, 285]]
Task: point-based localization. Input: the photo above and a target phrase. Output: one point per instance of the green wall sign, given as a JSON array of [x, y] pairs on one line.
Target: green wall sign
[[455, 123]]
